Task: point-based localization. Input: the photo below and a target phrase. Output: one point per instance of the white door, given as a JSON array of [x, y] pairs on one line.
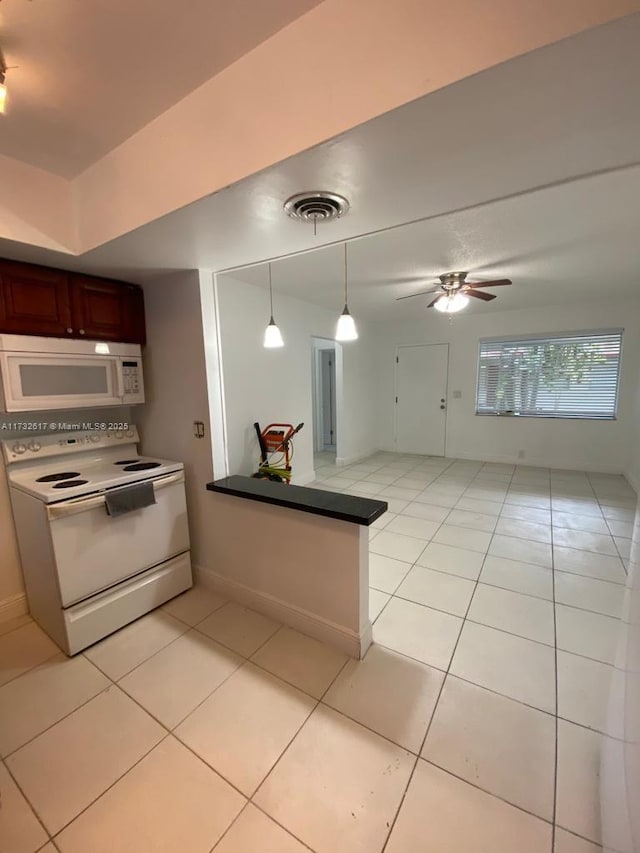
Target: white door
[[328, 369], [421, 399]]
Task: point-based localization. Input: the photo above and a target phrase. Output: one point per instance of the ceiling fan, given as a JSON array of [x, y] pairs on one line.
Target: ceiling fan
[[454, 291]]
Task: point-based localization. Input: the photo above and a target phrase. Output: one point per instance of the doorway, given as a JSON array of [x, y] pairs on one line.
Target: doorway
[[325, 429], [421, 398]]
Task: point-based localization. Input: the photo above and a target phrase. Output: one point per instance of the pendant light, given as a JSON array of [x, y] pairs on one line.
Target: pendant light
[[346, 329], [272, 336]]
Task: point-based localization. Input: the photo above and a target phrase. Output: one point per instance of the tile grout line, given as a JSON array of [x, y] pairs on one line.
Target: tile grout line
[[318, 702], [28, 802], [496, 692], [60, 720], [412, 773], [435, 707], [246, 660], [511, 633], [35, 666], [113, 683], [109, 787], [555, 655], [167, 730], [478, 582], [248, 803], [293, 737]]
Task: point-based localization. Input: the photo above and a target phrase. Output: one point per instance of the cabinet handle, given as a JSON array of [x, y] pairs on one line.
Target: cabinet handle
[[69, 331], [82, 331]]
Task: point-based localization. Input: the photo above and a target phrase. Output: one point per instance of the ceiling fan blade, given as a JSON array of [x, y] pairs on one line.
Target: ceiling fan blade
[[422, 293], [431, 304], [487, 297], [499, 282]]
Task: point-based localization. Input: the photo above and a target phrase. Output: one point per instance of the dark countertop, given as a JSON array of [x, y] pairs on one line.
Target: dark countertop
[[316, 501]]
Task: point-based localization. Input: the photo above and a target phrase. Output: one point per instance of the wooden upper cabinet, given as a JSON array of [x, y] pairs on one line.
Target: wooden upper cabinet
[[107, 310], [37, 300], [135, 320], [34, 300]]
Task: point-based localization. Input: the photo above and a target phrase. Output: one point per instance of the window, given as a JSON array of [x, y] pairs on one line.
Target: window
[[557, 376]]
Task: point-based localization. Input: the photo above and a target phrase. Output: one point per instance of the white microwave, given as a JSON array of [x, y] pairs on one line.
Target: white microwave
[[40, 374]]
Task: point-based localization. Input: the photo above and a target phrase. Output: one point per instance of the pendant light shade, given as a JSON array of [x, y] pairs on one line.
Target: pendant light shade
[[452, 303], [272, 334], [346, 328]]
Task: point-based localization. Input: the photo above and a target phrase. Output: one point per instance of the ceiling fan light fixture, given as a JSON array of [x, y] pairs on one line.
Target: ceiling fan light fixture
[[451, 303]]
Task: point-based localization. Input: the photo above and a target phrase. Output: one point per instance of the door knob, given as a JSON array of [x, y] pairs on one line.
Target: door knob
[[82, 331], [69, 331], [442, 399], [442, 407]]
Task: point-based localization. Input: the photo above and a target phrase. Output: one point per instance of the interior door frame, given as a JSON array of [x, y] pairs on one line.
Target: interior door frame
[[395, 388], [318, 345], [328, 400]]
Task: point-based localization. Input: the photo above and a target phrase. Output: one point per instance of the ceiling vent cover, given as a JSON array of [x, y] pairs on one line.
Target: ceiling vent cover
[[316, 206]]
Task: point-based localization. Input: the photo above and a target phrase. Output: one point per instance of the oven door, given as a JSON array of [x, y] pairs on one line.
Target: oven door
[[94, 551], [35, 382]]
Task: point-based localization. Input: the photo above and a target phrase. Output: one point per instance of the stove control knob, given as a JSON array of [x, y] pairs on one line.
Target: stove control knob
[[19, 448], [34, 446], [129, 433], [119, 434], [94, 437]]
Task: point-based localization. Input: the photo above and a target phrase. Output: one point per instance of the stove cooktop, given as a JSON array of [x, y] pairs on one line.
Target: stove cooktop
[[69, 484], [63, 475], [55, 480]]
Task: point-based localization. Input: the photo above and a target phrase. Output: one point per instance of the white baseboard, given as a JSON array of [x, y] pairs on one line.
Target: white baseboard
[[533, 462], [351, 460], [15, 605], [538, 462], [314, 626], [633, 480], [366, 639]]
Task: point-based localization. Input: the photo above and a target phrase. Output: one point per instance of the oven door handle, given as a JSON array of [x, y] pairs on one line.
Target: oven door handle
[[74, 507]]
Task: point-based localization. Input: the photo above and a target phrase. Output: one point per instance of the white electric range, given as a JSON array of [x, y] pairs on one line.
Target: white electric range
[[88, 573]]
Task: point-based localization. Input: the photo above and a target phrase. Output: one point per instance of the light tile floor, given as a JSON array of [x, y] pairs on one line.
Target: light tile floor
[[475, 722]]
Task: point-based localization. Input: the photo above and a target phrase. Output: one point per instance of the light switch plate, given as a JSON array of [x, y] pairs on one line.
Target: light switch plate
[[457, 395]]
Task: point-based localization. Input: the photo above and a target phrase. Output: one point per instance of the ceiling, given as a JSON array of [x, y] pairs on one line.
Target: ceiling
[[528, 170], [594, 253], [90, 73], [560, 112]]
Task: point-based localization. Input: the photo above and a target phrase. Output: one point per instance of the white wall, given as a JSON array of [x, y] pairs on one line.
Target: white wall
[[633, 472], [176, 390], [276, 385], [593, 445], [620, 761]]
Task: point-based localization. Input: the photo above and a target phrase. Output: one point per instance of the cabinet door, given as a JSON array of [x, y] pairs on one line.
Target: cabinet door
[[134, 314], [34, 300], [107, 310]]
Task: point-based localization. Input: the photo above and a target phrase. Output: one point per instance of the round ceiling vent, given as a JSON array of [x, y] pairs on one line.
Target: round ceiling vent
[[316, 206]]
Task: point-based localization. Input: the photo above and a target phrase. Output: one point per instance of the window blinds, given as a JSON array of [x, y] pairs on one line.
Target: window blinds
[[568, 376]]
